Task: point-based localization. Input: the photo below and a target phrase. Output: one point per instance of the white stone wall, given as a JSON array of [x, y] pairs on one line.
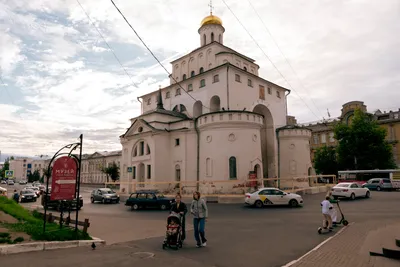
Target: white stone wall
[[295, 155]]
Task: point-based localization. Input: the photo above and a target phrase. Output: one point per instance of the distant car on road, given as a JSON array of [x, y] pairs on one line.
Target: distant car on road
[[10, 182], [272, 196], [148, 199], [3, 182], [378, 184], [350, 190], [34, 189], [23, 182], [105, 195], [28, 196]]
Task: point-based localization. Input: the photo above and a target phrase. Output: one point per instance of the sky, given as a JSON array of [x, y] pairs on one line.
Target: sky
[[59, 78]]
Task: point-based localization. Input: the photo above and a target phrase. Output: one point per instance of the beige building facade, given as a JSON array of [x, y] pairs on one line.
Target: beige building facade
[[92, 165], [322, 132], [217, 120], [22, 166]]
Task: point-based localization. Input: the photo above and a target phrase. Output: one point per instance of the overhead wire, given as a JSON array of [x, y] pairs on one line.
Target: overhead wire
[[280, 50], [265, 54], [154, 56], [109, 47]]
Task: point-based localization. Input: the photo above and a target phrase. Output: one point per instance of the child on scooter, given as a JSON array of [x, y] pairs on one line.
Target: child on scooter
[[333, 211], [326, 207]]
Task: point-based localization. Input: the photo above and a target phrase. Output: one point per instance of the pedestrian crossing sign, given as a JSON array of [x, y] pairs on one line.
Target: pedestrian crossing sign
[[9, 174]]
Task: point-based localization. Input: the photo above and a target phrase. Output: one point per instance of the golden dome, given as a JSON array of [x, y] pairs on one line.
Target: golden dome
[[211, 19]]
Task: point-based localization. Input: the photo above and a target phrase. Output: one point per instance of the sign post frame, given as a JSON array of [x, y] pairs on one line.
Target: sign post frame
[[65, 151]]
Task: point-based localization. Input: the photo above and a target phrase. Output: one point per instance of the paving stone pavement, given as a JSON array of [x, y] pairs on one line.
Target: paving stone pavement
[[352, 246]]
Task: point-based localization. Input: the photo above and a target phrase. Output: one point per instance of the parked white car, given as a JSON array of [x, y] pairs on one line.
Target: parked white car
[[350, 190], [272, 196]]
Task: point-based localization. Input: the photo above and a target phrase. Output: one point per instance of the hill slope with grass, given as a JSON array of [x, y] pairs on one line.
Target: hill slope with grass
[[18, 219]]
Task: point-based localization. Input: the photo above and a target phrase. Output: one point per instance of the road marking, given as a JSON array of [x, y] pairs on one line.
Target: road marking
[[317, 247]]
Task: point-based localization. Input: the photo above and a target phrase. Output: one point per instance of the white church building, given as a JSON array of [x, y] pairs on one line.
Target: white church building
[[217, 120]]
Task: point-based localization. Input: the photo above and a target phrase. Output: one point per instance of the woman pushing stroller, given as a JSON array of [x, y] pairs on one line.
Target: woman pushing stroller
[[179, 207]]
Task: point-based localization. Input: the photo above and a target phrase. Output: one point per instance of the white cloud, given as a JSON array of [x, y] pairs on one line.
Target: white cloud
[[64, 80]]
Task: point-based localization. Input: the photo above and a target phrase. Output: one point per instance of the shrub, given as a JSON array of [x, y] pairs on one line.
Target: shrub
[[19, 239], [4, 235]]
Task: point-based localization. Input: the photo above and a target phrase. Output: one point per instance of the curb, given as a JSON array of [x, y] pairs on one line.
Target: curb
[[317, 247], [39, 246]]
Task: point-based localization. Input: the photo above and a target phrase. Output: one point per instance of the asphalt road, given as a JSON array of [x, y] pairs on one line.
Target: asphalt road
[[237, 236]]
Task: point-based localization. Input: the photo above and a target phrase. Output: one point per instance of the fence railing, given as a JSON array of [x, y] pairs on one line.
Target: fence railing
[[67, 221], [224, 187]]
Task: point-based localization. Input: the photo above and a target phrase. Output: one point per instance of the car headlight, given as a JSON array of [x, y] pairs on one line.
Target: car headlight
[[117, 195], [107, 196], [22, 196]]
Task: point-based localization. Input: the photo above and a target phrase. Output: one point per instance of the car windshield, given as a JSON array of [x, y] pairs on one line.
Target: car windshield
[[343, 185], [107, 191], [27, 192], [160, 195]]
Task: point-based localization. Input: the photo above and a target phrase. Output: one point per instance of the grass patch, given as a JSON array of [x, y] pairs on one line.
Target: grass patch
[[32, 224]]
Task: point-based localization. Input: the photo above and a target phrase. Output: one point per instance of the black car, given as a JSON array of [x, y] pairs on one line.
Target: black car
[[28, 196], [57, 204], [105, 195], [148, 199]]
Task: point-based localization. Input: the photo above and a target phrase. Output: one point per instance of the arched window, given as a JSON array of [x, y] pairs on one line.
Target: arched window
[[232, 168], [204, 39], [182, 108], [197, 109], [184, 77], [220, 38], [192, 73], [202, 83], [135, 151], [245, 68], [212, 37], [201, 70]]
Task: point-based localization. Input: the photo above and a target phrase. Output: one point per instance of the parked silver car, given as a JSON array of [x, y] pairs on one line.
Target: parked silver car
[[379, 184]]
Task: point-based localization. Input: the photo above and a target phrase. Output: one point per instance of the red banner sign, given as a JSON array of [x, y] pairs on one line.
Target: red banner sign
[[63, 179]]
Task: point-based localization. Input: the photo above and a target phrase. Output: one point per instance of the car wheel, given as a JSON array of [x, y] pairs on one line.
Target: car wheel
[[367, 195], [163, 207], [135, 206], [103, 201], [352, 196], [378, 188], [92, 200], [293, 203], [258, 204]]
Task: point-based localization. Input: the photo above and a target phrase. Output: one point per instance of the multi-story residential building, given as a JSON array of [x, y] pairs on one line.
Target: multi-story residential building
[[322, 132], [21, 166]]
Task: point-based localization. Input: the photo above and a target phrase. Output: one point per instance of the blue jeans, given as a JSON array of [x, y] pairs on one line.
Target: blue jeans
[[199, 234]]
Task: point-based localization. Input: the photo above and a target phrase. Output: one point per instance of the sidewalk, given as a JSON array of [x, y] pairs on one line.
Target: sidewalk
[[352, 246]]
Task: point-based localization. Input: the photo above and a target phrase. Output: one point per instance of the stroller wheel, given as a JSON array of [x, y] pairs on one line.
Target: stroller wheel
[[345, 222], [163, 246], [320, 230]]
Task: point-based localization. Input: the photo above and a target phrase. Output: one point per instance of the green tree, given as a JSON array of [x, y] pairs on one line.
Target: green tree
[[111, 171], [362, 144], [325, 161], [33, 177], [6, 167]]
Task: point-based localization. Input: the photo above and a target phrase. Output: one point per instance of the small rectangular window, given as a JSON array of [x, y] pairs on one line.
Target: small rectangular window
[[148, 171], [237, 77], [250, 83], [316, 139], [177, 142], [269, 91], [141, 152], [167, 95], [202, 83], [178, 91], [262, 92], [323, 138], [216, 78], [134, 172], [149, 101], [190, 87], [278, 94]]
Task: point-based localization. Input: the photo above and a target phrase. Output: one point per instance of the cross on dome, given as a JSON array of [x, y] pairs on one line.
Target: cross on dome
[[211, 7]]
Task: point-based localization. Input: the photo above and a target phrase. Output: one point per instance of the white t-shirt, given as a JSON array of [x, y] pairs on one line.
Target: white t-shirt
[[325, 206]]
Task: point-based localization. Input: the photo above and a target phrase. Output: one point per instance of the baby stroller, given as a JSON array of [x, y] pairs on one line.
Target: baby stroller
[[173, 235]]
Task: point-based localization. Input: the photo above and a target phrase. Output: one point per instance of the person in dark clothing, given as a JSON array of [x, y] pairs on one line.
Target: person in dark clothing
[[16, 196], [179, 207]]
